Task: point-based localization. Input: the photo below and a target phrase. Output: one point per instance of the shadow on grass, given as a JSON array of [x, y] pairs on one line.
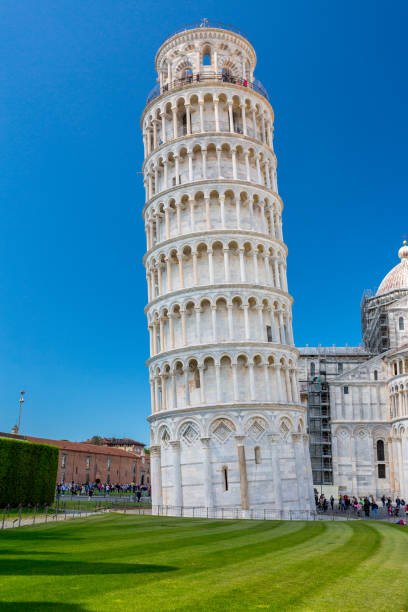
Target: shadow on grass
[[14, 606], [32, 567]]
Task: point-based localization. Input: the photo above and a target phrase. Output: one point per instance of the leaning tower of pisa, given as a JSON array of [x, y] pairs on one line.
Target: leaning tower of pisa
[[227, 425]]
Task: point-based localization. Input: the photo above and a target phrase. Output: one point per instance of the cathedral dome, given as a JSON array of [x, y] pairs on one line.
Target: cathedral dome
[[397, 278]]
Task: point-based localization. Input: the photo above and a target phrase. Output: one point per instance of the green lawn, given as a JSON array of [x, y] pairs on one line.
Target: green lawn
[[128, 562]]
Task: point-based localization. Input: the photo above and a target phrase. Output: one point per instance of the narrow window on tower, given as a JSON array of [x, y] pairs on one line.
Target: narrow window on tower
[[345, 390], [269, 333], [225, 478], [207, 56], [257, 454], [381, 470], [401, 323], [312, 369], [375, 375], [197, 378], [340, 368], [380, 450]]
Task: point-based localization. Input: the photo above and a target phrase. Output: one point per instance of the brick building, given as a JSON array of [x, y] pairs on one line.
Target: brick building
[[127, 444], [81, 462]]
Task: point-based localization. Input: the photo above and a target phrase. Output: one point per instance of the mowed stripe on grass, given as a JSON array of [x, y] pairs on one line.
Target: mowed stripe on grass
[[134, 562]]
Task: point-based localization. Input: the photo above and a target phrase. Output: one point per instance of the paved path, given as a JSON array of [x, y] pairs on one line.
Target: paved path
[[51, 518]]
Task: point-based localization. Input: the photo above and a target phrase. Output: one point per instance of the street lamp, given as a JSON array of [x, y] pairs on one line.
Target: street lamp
[[21, 401]]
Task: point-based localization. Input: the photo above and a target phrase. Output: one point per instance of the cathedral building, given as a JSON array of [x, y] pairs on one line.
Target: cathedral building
[[228, 429], [357, 398]]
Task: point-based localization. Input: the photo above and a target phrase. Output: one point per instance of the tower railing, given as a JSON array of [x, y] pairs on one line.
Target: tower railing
[[255, 85], [206, 23]]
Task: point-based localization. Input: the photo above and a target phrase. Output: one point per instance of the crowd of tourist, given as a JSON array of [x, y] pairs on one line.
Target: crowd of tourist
[[362, 506], [99, 488]]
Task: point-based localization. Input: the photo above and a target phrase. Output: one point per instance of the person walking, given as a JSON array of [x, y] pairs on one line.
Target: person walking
[[366, 507], [374, 508], [332, 502]]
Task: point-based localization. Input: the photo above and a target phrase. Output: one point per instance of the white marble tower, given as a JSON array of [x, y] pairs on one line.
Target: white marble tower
[[227, 425]]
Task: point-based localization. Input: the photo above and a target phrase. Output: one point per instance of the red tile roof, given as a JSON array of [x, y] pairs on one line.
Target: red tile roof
[[75, 446]]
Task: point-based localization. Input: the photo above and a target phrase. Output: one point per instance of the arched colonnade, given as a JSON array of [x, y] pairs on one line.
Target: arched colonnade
[[214, 262], [199, 212], [207, 111], [211, 379], [216, 319]]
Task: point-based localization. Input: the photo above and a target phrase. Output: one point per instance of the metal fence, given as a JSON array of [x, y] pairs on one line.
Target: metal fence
[[66, 509], [201, 77], [271, 514]]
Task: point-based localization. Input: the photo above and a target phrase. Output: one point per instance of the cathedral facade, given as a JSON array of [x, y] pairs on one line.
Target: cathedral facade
[[357, 398], [228, 429]]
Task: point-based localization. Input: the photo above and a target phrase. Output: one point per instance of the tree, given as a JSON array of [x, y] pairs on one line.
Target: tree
[[97, 440]]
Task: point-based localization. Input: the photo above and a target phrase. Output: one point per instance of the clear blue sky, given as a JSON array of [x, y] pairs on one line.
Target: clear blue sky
[[74, 78]]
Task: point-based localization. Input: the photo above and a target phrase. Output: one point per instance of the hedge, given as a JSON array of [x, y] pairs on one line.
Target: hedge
[[28, 472]]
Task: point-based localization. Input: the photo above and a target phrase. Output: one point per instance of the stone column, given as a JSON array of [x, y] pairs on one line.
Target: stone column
[[214, 323], [201, 104], [276, 270], [183, 326], [198, 323], [171, 329], [251, 382], [178, 214], [178, 494], [216, 116], [211, 266], [218, 381], [276, 477], [202, 381], [169, 275], [300, 476], [267, 383], [175, 127], [231, 118], [186, 387], [174, 385], [234, 381], [207, 213], [188, 118], [222, 210], [226, 265], [190, 166], [353, 458], [309, 490], [207, 472], [181, 271], [258, 170], [204, 163], [243, 479], [244, 124], [238, 212], [163, 130], [230, 322], [242, 265], [234, 164], [155, 462], [152, 395], [219, 170], [248, 170], [246, 320]]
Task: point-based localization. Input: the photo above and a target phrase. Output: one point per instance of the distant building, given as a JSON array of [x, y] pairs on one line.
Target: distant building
[[357, 398], [82, 463], [126, 444]]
